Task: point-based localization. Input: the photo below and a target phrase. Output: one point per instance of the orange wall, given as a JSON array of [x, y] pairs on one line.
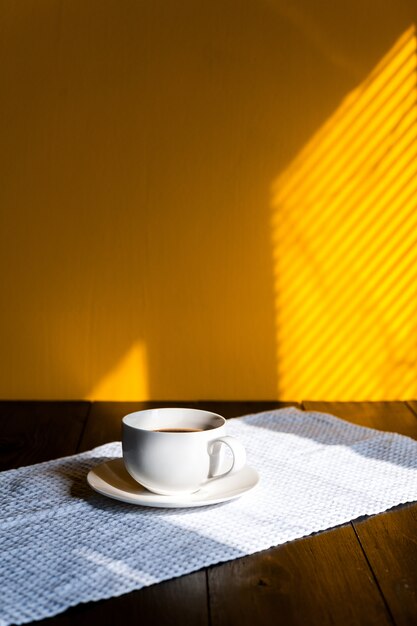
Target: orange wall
[[148, 153]]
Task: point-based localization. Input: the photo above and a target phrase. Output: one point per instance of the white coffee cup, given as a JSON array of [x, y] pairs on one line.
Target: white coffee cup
[[176, 450]]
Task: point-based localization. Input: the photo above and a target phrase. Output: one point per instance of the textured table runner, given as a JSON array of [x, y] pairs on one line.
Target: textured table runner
[[61, 543]]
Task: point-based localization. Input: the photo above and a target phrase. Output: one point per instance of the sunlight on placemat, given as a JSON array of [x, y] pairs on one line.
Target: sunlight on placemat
[[345, 245]]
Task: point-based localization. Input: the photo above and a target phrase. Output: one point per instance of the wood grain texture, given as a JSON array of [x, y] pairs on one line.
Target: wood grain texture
[[389, 540], [32, 432], [391, 416], [323, 579], [390, 543], [412, 405], [177, 602]]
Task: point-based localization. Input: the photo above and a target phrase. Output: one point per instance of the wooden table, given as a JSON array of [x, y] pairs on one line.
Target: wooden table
[[363, 572]]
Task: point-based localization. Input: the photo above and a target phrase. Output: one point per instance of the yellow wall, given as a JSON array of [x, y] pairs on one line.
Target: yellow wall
[[153, 243]]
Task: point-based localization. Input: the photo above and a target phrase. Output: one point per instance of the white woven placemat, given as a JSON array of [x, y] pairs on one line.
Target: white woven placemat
[[61, 543]]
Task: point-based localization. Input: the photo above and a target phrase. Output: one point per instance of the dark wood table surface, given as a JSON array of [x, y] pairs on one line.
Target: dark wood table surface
[[363, 572]]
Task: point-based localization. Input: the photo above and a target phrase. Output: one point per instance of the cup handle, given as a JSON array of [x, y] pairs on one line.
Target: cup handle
[[238, 452]]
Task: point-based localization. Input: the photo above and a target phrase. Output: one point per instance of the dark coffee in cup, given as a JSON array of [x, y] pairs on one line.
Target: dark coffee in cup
[[178, 430]]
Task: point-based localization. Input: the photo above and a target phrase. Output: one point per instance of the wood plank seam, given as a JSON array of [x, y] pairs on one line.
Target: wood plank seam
[[77, 449], [209, 620], [410, 407], [352, 523], [373, 574]]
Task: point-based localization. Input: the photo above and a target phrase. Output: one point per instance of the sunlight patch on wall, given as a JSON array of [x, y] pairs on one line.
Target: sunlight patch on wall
[[127, 380], [345, 245]]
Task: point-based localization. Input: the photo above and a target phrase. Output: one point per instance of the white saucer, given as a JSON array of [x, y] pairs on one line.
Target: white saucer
[[111, 479]]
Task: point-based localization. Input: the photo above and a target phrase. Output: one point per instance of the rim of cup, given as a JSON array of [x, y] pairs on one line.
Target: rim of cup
[[171, 417]]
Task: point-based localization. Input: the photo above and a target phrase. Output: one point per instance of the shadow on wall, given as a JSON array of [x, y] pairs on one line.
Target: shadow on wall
[[139, 145], [345, 242]]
